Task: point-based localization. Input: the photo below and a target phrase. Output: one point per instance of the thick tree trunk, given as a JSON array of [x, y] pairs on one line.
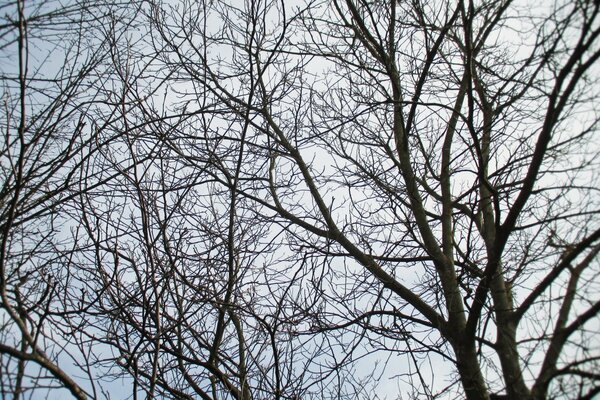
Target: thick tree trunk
[[469, 370]]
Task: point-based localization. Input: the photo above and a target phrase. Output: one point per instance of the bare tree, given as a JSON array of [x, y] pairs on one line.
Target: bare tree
[[52, 57], [247, 200], [181, 278], [429, 166]]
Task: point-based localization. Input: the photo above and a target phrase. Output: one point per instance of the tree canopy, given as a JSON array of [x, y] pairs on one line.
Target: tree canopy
[[264, 199]]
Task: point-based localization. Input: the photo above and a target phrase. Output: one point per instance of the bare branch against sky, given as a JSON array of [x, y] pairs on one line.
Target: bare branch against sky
[[341, 199]]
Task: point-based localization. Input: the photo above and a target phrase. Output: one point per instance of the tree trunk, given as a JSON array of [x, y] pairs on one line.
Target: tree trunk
[[469, 370]]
